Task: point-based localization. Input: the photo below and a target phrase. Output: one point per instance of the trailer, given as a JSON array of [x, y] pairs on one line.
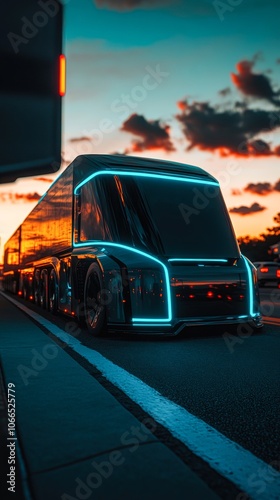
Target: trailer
[[133, 245]]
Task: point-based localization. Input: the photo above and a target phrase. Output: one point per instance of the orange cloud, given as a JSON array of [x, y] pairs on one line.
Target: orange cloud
[[80, 139], [243, 210], [261, 188], [131, 4], [43, 179], [19, 197], [253, 84]]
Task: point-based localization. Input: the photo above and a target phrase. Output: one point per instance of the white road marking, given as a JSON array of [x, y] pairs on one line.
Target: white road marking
[[253, 476]]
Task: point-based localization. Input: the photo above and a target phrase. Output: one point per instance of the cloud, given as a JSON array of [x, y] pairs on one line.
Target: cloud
[[243, 210], [19, 197], [224, 92], [153, 134], [236, 192], [123, 5], [43, 179], [80, 139], [253, 84], [182, 7], [261, 188], [229, 132]]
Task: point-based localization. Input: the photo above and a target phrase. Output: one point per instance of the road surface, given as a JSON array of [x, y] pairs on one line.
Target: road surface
[[227, 379]]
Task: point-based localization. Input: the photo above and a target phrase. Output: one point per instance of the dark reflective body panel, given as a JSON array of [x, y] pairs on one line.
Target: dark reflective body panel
[[212, 297], [12, 251], [48, 228]]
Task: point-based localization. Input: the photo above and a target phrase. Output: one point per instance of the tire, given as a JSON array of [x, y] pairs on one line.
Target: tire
[[95, 311], [44, 289], [53, 292], [37, 287], [25, 291]]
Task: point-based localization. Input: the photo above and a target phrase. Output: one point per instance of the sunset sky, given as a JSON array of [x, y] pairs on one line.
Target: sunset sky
[[192, 81]]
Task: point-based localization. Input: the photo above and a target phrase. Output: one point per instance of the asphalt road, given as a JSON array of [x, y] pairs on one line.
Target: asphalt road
[[228, 380], [230, 383], [270, 302]]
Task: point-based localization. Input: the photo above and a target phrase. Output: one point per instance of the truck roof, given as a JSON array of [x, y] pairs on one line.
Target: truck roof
[[98, 162]]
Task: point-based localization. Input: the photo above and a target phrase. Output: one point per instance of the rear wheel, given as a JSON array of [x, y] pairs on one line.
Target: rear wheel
[[95, 310], [37, 287], [53, 292], [44, 289], [25, 293]]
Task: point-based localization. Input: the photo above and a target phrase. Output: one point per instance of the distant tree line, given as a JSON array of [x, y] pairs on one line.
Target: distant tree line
[[257, 249]]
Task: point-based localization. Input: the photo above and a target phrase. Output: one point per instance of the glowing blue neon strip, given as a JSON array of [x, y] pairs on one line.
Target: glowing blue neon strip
[[141, 174], [197, 260], [250, 281], [168, 293], [152, 324]]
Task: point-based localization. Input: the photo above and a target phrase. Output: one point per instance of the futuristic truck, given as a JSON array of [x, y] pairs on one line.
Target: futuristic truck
[[133, 244]]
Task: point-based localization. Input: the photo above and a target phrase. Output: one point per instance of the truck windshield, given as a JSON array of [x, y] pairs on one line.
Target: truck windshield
[[168, 217]]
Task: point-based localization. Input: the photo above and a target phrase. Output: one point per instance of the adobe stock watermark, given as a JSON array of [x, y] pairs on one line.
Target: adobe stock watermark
[[260, 146], [222, 7], [203, 195], [39, 360], [32, 25], [122, 106], [245, 330], [101, 471], [259, 480]]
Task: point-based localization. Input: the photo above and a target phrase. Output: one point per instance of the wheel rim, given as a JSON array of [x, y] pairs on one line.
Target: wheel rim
[[52, 292], [94, 308], [37, 289], [43, 290]]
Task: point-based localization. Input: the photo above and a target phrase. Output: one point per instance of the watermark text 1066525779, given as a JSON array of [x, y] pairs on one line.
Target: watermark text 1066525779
[[11, 439]]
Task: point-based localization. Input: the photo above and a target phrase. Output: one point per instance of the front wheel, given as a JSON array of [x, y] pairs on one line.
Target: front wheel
[[95, 309]]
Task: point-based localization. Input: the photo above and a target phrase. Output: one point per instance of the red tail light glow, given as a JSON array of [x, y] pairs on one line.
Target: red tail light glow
[[278, 273], [62, 75], [264, 269]]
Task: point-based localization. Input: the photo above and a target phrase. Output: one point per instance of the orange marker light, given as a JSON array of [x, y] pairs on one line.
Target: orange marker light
[[62, 75]]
